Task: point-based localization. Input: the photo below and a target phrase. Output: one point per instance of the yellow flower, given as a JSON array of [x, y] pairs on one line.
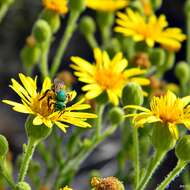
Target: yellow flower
[[38, 105], [59, 6], [106, 75], [106, 5], [167, 109], [149, 29], [66, 188]]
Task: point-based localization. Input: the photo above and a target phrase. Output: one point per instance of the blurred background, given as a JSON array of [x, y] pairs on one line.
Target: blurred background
[[14, 29]]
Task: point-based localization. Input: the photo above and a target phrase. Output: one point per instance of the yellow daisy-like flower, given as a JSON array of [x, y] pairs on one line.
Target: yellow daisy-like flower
[[149, 29], [106, 75], [66, 188], [59, 6], [38, 105], [167, 109], [106, 5]]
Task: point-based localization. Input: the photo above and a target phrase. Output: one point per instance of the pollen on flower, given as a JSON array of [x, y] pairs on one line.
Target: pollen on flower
[[109, 75], [167, 109], [44, 106]]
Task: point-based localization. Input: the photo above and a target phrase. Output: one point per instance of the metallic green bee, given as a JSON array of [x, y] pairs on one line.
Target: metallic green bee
[[57, 97]]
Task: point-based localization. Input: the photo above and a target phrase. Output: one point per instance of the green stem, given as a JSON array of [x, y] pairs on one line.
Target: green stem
[[99, 112], [172, 175], [64, 41], [155, 162], [26, 159], [136, 155], [44, 59], [6, 175], [91, 41], [72, 165]]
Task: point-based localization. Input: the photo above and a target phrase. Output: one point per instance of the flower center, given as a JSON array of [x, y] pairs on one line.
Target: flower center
[[167, 111], [42, 105], [108, 79]]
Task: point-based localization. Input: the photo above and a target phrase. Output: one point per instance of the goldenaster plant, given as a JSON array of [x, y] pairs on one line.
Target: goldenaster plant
[[152, 29], [109, 75], [167, 109], [32, 104]]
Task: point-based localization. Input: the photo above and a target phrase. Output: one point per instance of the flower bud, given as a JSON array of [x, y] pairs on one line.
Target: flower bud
[[4, 146], [77, 6], [132, 94], [87, 25], [157, 56], [161, 138], [182, 72], [116, 115], [108, 183], [52, 18], [182, 149], [170, 60], [23, 186], [105, 19], [30, 55], [36, 132], [41, 31], [156, 4]]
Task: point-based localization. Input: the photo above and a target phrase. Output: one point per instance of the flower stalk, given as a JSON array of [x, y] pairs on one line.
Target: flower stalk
[[28, 153], [155, 162], [172, 175], [74, 15]]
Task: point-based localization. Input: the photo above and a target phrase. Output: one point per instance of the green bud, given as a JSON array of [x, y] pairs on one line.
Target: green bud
[[23, 186], [132, 94], [182, 72], [4, 146], [36, 132], [30, 55], [162, 139], [41, 31], [156, 4], [77, 6], [182, 149], [87, 25], [136, 6], [170, 60], [157, 57], [105, 19], [116, 115], [52, 18]]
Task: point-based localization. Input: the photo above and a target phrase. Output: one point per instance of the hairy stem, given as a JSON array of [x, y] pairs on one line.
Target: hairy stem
[[172, 175], [155, 162], [26, 159]]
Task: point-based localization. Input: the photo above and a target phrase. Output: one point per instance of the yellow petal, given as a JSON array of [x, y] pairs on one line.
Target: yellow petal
[[173, 130]]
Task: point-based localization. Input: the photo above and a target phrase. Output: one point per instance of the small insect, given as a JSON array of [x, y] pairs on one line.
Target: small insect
[[57, 97]]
